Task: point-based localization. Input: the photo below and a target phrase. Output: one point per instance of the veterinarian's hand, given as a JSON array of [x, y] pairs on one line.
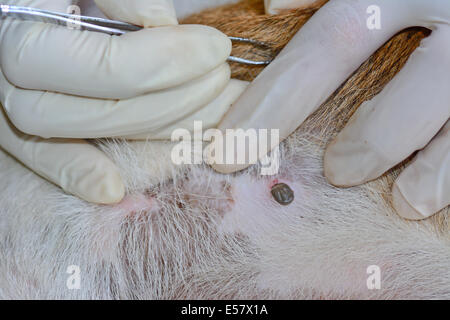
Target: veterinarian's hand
[[61, 83], [404, 118], [277, 6], [424, 187]]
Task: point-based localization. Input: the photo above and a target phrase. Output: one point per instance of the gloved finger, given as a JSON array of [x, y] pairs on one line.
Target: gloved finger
[[320, 57], [403, 118], [277, 6], [45, 57], [209, 116], [76, 166], [52, 5], [146, 13], [51, 115], [423, 188]]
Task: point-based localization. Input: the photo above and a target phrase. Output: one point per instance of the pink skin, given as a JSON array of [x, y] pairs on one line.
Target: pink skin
[[133, 204], [106, 238], [255, 215], [251, 210], [274, 182], [246, 208], [252, 202], [255, 209]]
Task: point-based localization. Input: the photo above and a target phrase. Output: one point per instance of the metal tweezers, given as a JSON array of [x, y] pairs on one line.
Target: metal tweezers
[[111, 27]]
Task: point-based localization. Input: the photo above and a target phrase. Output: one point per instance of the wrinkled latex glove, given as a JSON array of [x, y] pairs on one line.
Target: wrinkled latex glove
[[62, 83], [403, 118], [276, 6]]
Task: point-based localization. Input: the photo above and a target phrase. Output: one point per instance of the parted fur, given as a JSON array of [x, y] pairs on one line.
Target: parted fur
[[188, 232]]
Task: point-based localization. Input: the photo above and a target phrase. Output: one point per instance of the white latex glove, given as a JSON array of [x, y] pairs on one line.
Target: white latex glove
[[185, 8], [62, 83], [404, 118], [275, 6]]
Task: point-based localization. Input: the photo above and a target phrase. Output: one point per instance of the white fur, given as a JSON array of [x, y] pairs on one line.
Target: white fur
[[204, 235]]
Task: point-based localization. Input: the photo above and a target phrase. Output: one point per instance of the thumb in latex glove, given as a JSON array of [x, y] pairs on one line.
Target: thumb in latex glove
[[62, 83], [403, 118]]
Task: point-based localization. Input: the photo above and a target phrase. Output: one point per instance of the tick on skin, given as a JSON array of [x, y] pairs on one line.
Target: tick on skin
[[282, 194]]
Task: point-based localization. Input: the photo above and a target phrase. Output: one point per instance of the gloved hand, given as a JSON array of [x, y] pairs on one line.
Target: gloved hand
[[275, 6], [403, 118], [62, 83]]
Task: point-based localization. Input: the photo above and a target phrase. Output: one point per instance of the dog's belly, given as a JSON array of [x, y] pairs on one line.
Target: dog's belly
[[204, 235]]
